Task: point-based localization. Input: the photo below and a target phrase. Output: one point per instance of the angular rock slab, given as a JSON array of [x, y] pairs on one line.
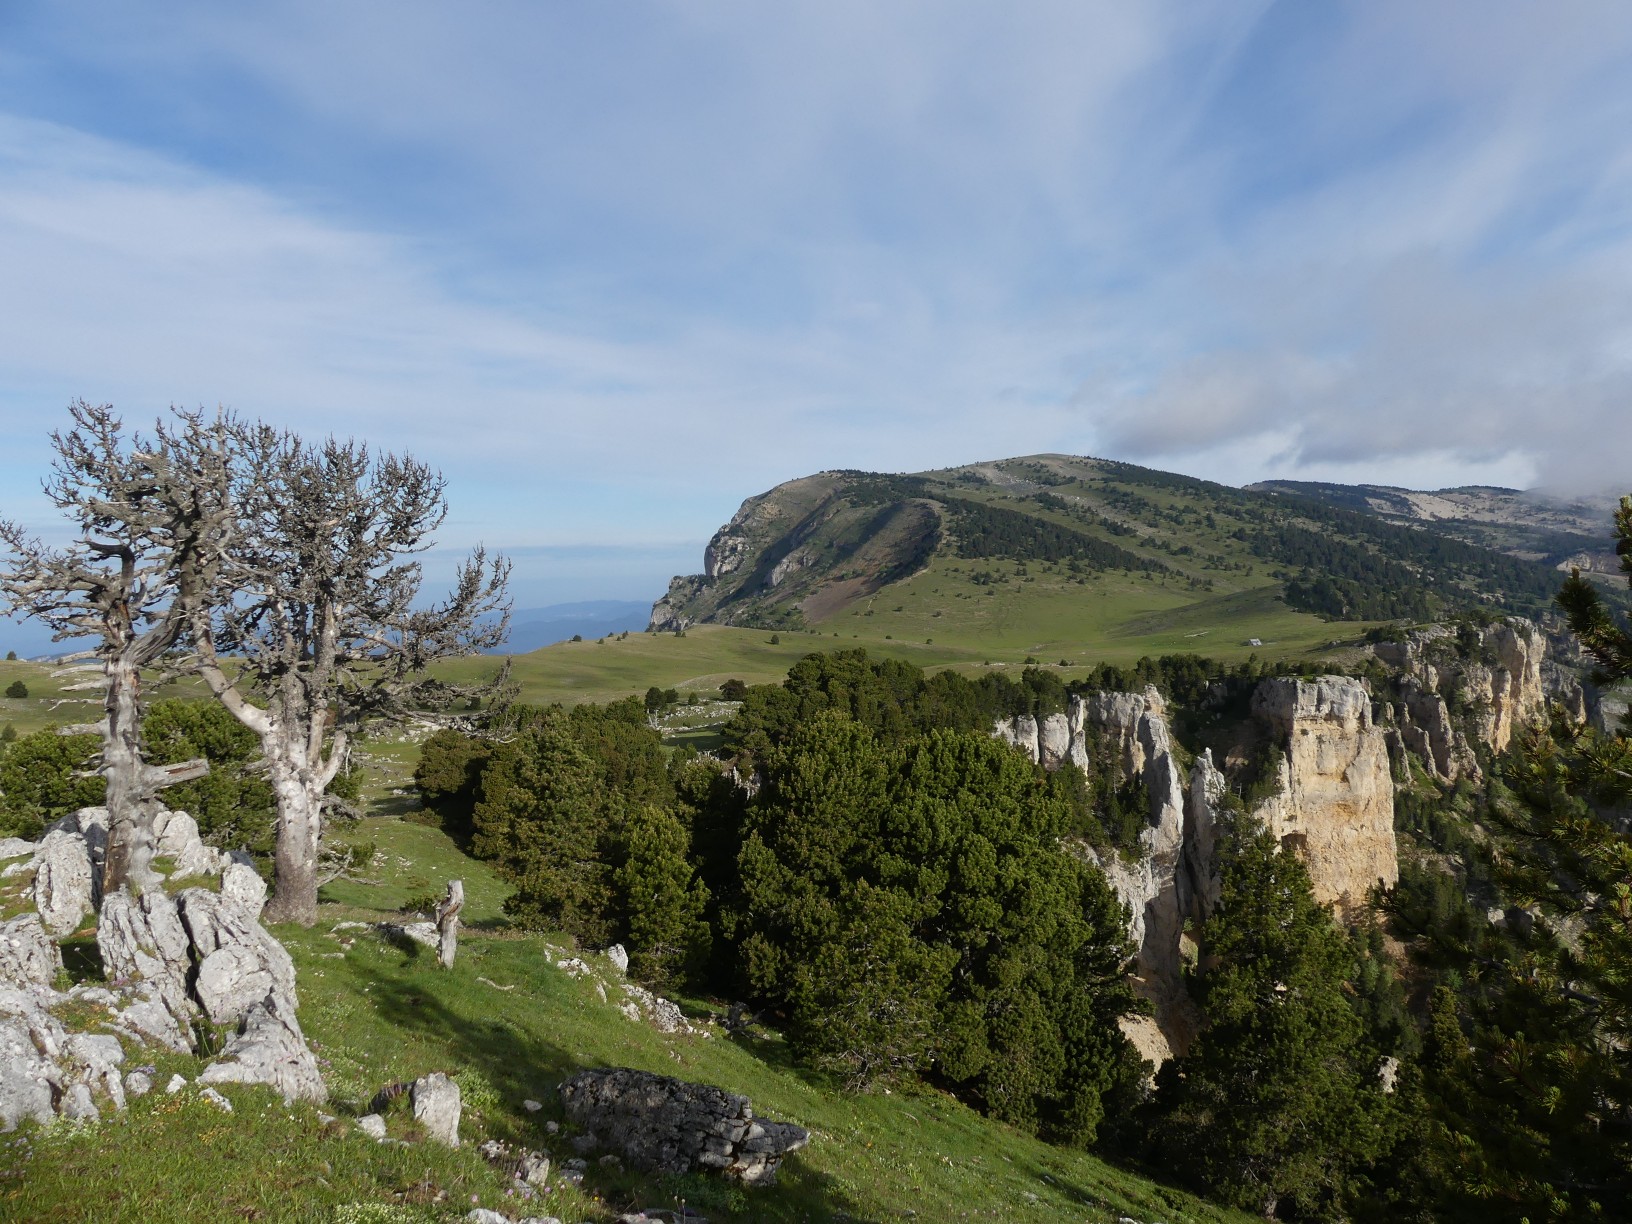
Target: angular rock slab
[[436, 1107], [28, 1080], [29, 958], [239, 963], [90, 823], [665, 1125], [243, 885], [64, 881], [144, 949], [269, 1048]]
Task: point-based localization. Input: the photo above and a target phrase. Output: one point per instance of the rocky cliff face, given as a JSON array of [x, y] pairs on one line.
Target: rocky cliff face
[[1334, 803], [1335, 796], [668, 613], [1499, 677], [1152, 883], [805, 550]]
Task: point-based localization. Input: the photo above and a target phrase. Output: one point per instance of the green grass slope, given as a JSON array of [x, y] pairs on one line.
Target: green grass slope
[[929, 621], [509, 1026], [1059, 550]]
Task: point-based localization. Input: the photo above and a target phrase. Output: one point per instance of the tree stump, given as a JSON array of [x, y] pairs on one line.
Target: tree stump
[[447, 923]]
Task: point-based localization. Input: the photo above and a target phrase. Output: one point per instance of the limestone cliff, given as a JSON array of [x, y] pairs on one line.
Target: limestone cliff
[[1151, 884], [1334, 801], [1476, 686]]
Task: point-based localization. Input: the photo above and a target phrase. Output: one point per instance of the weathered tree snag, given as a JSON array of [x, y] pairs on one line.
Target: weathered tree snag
[[322, 626], [152, 518], [447, 923]]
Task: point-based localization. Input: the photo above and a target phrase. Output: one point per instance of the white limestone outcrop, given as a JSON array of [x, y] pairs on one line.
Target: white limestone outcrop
[[1334, 803], [1502, 675], [1149, 883], [29, 957], [168, 961], [65, 876], [1335, 798]]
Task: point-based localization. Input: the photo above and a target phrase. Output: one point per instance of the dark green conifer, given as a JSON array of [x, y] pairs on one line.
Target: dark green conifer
[[662, 900], [545, 818], [1277, 1104]]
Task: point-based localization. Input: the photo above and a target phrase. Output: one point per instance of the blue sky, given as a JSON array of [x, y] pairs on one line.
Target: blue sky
[[614, 267]]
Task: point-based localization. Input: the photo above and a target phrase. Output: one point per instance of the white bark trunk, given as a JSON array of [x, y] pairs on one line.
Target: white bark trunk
[[299, 799], [130, 816], [447, 923]]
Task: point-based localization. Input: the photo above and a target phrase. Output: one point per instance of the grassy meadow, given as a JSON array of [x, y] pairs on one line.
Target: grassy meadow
[[940, 618], [509, 1025]]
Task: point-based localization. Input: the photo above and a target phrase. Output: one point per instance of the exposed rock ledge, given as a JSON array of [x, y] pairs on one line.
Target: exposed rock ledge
[[169, 961], [1334, 802], [666, 1125]]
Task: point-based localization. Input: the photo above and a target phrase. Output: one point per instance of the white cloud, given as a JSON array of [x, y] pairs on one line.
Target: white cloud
[[618, 267]]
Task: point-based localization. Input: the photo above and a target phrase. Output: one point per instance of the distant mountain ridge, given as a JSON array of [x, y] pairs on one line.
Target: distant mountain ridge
[[813, 548], [1521, 523]]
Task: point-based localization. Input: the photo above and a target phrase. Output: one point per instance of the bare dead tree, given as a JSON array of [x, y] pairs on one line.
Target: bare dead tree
[[447, 923], [319, 634], [152, 519]]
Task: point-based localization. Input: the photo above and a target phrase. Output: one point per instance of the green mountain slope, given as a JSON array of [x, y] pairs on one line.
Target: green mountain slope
[[1099, 544], [510, 1025]]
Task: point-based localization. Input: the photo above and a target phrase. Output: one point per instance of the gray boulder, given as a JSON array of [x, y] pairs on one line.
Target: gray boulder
[[28, 1079], [269, 1048], [372, 1125], [64, 881], [16, 847], [176, 837], [422, 933], [216, 1099], [243, 885], [145, 950], [436, 1107], [239, 963], [77, 1104], [665, 1125], [90, 823], [93, 1060], [29, 958], [234, 979]]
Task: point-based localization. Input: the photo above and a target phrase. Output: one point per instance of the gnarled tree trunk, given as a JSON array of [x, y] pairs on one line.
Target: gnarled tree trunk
[[447, 923], [294, 858]]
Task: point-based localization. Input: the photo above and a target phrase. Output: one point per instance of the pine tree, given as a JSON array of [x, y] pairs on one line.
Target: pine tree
[[546, 819], [662, 900], [1277, 1104], [909, 905]]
